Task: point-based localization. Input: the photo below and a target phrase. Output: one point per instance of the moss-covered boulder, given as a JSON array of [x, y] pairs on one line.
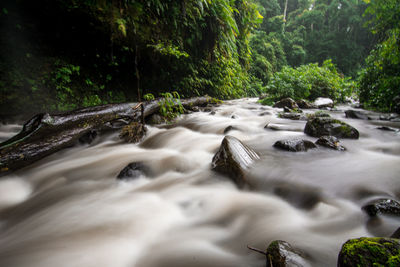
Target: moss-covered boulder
[[305, 104], [321, 126], [294, 145], [383, 206], [233, 159], [282, 254], [370, 251], [133, 132], [286, 102]]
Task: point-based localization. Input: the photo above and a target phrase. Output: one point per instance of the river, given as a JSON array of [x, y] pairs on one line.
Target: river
[[70, 210]]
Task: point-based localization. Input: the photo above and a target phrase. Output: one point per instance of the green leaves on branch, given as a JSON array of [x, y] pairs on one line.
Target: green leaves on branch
[[170, 105]]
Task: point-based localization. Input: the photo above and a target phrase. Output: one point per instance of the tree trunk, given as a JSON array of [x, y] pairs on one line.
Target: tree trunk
[[46, 134]]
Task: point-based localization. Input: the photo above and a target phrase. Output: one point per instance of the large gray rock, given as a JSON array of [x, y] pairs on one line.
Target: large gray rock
[[370, 251], [383, 206], [286, 102], [295, 145], [233, 159], [282, 254], [322, 102], [318, 127]]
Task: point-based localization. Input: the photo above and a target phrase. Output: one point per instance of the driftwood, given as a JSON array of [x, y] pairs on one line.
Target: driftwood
[[46, 134]]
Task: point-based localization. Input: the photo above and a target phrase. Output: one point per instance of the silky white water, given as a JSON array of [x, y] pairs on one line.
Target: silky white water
[[70, 210]]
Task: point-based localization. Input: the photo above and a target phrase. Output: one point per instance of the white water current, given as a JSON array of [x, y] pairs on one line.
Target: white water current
[[70, 210]]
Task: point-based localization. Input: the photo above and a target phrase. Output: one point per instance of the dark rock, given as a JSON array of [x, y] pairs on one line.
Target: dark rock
[[370, 251], [305, 104], [132, 171], [300, 196], [234, 158], [382, 206], [396, 234], [318, 127], [286, 109], [355, 114], [322, 102], [330, 142], [286, 102], [295, 145], [133, 132], [233, 117], [212, 113], [229, 128], [290, 116], [265, 113], [282, 254], [88, 137], [283, 127], [387, 128]]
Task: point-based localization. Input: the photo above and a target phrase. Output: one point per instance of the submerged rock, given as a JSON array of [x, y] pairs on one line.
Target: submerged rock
[[286, 102], [305, 104], [383, 206], [387, 128], [318, 127], [370, 251], [283, 127], [132, 171], [330, 142], [133, 132], [295, 145], [229, 128], [298, 195], [290, 116], [233, 159], [282, 254], [355, 114], [322, 102]]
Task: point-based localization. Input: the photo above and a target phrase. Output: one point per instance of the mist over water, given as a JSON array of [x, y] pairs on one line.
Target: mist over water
[[70, 210]]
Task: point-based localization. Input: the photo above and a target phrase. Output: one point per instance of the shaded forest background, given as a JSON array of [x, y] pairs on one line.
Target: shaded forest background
[[65, 54]]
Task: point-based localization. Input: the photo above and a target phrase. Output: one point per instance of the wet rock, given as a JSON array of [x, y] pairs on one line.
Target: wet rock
[[286, 102], [234, 117], [283, 127], [212, 113], [355, 114], [370, 251], [322, 102], [265, 113], [396, 234], [382, 206], [290, 116], [295, 145], [229, 128], [388, 117], [233, 159], [305, 104], [282, 254], [88, 137], [318, 127], [132, 171], [330, 142], [387, 128], [133, 132]]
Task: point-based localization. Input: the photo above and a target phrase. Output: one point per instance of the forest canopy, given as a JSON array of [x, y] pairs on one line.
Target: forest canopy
[[64, 54]]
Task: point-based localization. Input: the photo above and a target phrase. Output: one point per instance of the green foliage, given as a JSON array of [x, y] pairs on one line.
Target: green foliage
[[309, 82], [170, 105], [148, 97]]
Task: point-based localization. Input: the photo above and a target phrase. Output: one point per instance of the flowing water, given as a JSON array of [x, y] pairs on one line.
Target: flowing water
[[70, 210]]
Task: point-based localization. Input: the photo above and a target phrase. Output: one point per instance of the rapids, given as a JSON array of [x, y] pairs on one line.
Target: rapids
[[70, 210]]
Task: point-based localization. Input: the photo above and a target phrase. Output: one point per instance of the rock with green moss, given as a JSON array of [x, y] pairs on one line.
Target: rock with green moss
[[304, 104], [233, 159], [286, 102], [370, 251], [282, 254], [133, 132], [321, 126]]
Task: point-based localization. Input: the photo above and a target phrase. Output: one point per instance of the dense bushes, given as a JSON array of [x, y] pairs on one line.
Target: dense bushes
[[309, 82]]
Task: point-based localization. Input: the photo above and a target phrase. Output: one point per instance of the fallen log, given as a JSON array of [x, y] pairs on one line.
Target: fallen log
[[45, 134]]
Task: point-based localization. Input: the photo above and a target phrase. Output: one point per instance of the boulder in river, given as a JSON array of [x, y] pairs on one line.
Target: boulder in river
[[233, 159], [322, 102], [290, 116], [318, 127], [330, 142], [295, 145], [370, 251], [282, 254], [383, 206], [132, 171], [356, 114], [305, 104], [286, 102]]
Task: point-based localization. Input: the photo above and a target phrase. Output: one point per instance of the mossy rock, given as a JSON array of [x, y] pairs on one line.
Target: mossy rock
[[370, 251], [286, 102], [133, 132], [330, 142], [321, 126]]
